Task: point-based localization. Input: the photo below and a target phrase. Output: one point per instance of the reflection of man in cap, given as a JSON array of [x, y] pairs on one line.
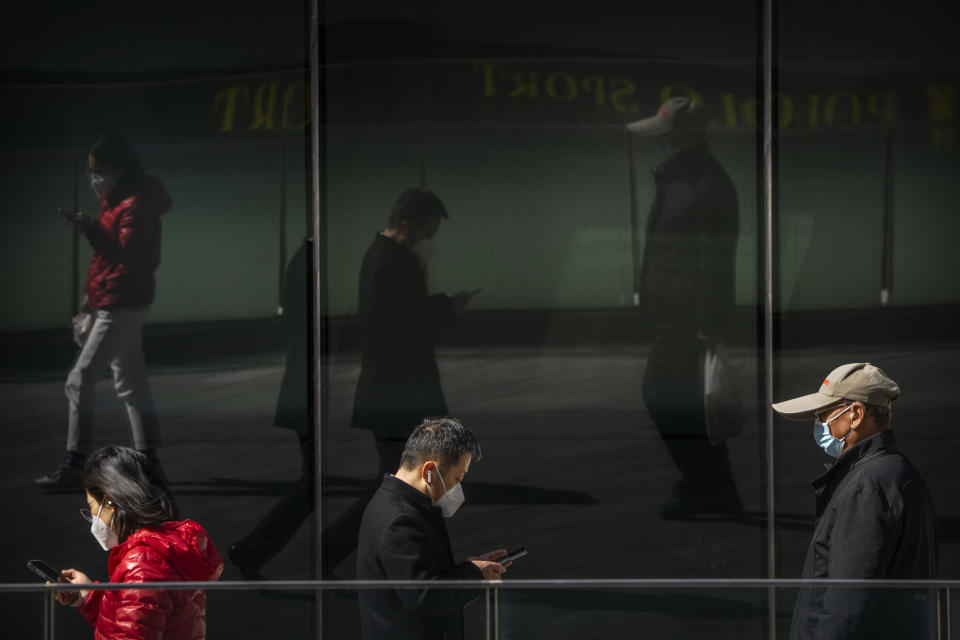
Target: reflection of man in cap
[[687, 288], [875, 518]]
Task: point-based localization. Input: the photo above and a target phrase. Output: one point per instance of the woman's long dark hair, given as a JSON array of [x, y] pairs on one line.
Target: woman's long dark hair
[[138, 494], [114, 151]]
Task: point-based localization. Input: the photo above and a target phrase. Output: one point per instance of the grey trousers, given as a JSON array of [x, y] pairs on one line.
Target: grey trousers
[[114, 340]]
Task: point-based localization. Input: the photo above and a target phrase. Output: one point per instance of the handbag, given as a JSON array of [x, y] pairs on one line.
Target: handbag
[[722, 384], [81, 324]]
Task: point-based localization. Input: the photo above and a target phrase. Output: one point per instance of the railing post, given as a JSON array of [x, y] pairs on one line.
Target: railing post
[[488, 613], [496, 613], [49, 611], [949, 630]]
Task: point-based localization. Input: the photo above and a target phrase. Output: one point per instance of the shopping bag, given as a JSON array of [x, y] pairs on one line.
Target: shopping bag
[[81, 324], [723, 393]]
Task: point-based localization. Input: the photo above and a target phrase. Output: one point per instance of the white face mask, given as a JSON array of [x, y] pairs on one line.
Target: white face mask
[[451, 500], [101, 184], [104, 533], [424, 251]]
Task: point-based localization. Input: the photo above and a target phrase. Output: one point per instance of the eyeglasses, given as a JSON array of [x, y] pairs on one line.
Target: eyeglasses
[[821, 415], [87, 514]]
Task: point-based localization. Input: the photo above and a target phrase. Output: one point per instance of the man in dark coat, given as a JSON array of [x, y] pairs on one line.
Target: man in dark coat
[[399, 382], [294, 410], [875, 516], [403, 536], [687, 292]]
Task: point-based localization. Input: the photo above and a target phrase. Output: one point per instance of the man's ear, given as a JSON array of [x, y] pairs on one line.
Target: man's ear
[[428, 471], [859, 412], [406, 229]]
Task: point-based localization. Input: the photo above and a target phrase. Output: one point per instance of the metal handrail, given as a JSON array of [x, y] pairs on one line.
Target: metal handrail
[[601, 583]]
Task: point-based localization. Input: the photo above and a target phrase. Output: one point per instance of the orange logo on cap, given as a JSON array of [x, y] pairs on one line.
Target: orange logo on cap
[[826, 382]]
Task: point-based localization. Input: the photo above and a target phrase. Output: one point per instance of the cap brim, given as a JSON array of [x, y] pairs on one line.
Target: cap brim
[[652, 126], [803, 408]]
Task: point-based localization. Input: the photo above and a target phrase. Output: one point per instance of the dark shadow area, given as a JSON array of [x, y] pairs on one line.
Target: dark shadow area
[[684, 604], [233, 487], [949, 530], [783, 522], [490, 493]]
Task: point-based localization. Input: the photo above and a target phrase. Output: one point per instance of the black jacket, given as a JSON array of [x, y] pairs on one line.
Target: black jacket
[[399, 383], [875, 520], [404, 537], [687, 274]]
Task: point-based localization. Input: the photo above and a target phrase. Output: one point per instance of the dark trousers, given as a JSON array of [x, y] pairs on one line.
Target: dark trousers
[[673, 393], [283, 520], [339, 539]]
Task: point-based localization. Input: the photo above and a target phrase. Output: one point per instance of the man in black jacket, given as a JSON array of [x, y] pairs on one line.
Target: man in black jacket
[[403, 536], [875, 516], [687, 292], [399, 382]]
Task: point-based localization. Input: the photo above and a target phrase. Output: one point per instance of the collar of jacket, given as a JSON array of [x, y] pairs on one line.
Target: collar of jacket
[[881, 443], [690, 161], [421, 501]]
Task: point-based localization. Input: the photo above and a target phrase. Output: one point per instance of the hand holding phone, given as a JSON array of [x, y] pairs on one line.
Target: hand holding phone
[[76, 218], [50, 574], [513, 555], [46, 571]]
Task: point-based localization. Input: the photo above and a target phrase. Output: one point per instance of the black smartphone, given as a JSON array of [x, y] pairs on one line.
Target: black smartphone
[[513, 555], [45, 571]]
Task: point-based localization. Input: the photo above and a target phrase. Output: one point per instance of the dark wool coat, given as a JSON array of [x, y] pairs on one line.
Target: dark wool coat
[[399, 383], [404, 537]]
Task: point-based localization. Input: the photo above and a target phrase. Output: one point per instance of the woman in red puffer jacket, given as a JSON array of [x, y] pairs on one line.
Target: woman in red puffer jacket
[[133, 514], [120, 288]]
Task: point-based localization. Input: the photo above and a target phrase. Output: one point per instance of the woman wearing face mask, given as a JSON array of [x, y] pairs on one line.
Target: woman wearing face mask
[[119, 291], [134, 516]]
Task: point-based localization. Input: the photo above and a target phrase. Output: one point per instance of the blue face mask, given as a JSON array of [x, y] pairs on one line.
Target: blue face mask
[[825, 440]]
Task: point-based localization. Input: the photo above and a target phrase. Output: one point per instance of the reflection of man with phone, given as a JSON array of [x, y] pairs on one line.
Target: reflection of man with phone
[[404, 536], [399, 382]]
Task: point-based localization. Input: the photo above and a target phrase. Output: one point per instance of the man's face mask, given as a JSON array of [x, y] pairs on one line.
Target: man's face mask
[[424, 250], [451, 500], [825, 440]]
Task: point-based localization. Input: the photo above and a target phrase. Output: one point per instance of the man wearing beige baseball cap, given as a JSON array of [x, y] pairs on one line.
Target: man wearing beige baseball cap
[[687, 291], [875, 516]]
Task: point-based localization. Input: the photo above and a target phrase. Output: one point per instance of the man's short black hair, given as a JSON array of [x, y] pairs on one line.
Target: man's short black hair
[[418, 206], [444, 440]]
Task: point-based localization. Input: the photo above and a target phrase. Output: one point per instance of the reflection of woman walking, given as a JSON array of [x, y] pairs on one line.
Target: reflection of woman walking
[[120, 288]]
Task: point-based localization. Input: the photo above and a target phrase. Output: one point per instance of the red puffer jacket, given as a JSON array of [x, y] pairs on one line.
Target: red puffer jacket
[[126, 243], [172, 551]]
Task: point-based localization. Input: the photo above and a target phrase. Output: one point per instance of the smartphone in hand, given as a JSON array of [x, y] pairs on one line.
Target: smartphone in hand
[[49, 574], [513, 555], [46, 571]]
